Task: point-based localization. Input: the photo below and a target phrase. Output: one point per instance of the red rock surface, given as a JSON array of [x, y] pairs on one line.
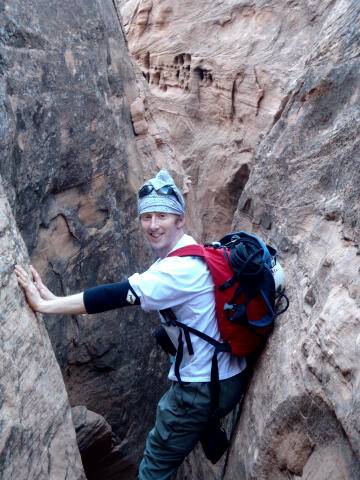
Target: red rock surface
[[219, 73], [257, 102], [261, 103], [37, 434], [71, 166]]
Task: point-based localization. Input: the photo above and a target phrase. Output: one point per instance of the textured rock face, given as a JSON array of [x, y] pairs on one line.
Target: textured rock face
[[71, 168], [37, 435], [309, 375], [261, 102], [219, 73]]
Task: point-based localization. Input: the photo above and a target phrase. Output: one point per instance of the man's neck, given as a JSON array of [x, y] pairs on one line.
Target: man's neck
[[178, 238]]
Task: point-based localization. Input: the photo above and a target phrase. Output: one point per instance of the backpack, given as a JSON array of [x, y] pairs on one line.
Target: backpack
[[245, 296]]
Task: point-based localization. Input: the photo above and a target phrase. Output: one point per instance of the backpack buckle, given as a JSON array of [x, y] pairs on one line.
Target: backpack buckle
[[169, 317], [238, 316], [213, 244]]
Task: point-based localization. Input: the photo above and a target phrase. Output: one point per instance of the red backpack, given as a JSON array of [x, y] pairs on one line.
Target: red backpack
[[241, 268]]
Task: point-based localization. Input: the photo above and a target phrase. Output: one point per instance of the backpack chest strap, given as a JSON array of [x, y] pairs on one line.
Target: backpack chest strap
[[169, 315]]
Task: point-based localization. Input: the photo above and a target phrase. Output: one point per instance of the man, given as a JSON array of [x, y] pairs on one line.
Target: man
[[184, 285]]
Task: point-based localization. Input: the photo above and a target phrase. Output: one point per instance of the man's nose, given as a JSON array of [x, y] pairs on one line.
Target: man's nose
[[154, 222]]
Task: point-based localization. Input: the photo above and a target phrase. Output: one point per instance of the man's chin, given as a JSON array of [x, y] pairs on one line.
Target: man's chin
[[155, 243], [156, 247]]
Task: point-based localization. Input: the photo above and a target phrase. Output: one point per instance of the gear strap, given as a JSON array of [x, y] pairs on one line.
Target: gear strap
[[218, 347]]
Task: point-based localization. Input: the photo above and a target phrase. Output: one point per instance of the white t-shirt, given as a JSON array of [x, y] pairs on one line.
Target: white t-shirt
[[184, 284]]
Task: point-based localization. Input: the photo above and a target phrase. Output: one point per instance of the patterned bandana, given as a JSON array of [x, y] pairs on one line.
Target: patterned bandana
[[156, 201]]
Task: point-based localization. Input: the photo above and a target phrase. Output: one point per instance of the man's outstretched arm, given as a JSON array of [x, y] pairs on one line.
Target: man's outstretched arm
[[94, 300], [42, 300]]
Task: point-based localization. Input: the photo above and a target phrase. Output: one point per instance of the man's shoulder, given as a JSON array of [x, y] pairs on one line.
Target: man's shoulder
[[184, 241], [189, 266], [186, 272], [179, 263]]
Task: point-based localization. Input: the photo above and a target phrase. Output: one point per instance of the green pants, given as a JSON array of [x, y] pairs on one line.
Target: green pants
[[181, 416]]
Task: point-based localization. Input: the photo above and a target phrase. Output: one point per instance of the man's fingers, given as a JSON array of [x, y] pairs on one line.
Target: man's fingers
[[23, 282], [35, 275], [22, 276], [20, 282], [20, 272]]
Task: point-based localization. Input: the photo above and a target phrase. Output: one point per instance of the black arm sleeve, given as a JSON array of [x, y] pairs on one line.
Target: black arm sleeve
[[110, 296]]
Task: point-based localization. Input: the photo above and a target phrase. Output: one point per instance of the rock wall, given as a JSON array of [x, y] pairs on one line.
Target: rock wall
[[37, 434], [301, 416], [219, 73], [74, 157], [261, 102], [257, 102]]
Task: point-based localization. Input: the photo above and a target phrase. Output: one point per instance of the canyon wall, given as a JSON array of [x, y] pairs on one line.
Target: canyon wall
[[72, 160], [304, 192], [37, 434], [219, 73], [261, 102], [255, 102]]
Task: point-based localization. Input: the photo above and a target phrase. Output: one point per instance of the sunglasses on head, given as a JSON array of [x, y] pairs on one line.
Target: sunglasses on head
[[166, 190]]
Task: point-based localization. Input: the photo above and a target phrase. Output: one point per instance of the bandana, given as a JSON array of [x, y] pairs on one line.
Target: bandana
[[159, 202]]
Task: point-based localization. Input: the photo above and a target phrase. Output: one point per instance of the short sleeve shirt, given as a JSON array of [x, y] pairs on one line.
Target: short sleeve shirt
[[184, 284]]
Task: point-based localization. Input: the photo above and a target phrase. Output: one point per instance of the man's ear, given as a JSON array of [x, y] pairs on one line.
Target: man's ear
[[180, 221]]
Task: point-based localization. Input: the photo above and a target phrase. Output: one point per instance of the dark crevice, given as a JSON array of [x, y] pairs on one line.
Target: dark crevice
[[200, 73], [147, 60], [237, 184], [247, 206]]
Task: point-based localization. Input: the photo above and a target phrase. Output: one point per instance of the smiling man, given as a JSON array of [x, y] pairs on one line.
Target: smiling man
[[184, 285], [163, 230], [161, 209]]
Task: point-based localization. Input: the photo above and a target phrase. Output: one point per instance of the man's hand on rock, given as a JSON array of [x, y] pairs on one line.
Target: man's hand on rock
[[42, 300], [31, 288], [42, 289]]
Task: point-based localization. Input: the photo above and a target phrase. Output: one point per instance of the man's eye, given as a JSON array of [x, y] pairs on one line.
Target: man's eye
[[163, 215]]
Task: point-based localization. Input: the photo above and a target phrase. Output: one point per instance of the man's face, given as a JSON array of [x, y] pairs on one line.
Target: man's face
[[163, 230]]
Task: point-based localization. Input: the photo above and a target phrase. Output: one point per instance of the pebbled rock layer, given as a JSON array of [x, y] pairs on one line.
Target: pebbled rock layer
[[37, 434]]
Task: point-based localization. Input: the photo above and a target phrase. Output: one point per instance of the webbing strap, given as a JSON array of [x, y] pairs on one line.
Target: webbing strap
[[214, 379], [215, 384], [221, 347], [168, 315], [282, 294], [188, 341], [179, 356], [226, 255], [194, 250]]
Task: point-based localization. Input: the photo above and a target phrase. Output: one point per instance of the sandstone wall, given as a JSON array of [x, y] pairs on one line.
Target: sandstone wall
[[258, 102], [37, 434], [261, 102], [220, 72], [72, 161], [300, 419]]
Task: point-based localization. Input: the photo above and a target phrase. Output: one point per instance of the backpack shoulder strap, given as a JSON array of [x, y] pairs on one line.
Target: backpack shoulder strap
[[188, 251]]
